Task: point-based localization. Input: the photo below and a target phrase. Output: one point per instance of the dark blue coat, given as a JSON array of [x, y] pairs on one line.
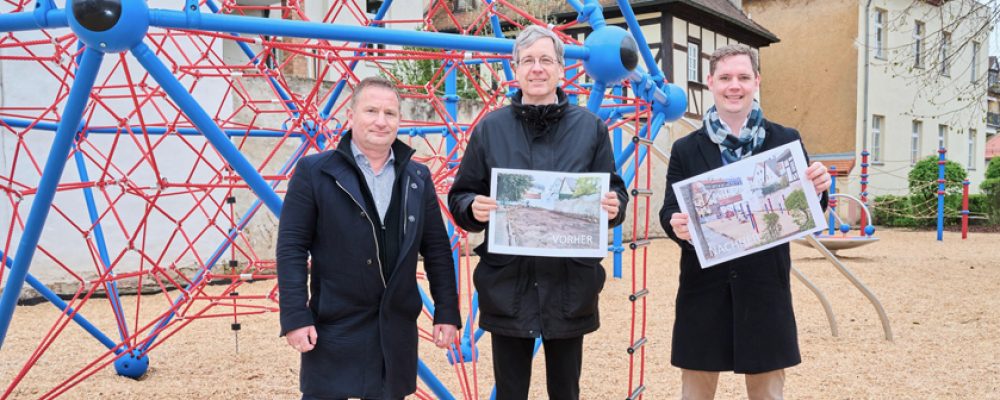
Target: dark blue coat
[[737, 315], [363, 321]]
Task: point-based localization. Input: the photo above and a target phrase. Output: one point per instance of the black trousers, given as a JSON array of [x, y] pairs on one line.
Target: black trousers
[[512, 366]]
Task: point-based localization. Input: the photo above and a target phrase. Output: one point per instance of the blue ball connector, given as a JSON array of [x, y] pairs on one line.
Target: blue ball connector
[[132, 365], [614, 54]]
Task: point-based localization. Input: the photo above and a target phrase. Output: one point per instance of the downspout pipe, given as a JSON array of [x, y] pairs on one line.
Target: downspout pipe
[[864, 118]]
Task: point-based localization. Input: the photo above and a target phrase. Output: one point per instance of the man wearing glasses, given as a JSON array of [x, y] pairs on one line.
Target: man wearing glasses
[[522, 298]]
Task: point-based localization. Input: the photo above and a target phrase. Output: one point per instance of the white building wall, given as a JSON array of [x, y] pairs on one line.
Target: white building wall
[[26, 84], [900, 97]]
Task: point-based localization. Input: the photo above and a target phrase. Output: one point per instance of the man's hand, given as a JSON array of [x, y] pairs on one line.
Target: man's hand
[[302, 339], [819, 176], [481, 207], [444, 335], [679, 221], [610, 204]]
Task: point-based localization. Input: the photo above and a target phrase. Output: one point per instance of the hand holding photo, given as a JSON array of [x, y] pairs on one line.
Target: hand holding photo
[[544, 213]]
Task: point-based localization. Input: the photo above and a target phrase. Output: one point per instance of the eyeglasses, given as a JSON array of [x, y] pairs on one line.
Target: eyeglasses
[[530, 61]]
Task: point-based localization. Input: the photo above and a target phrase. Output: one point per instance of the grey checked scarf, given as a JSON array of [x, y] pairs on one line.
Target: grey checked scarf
[[750, 139]]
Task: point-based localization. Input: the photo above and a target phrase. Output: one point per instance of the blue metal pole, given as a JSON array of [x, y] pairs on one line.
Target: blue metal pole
[[335, 95], [640, 40], [53, 298], [596, 16], [102, 247], [940, 194], [200, 118], [303, 29], [432, 382], [653, 130], [256, 60], [451, 106], [508, 72], [473, 310], [596, 97], [79, 93], [28, 21], [832, 227]]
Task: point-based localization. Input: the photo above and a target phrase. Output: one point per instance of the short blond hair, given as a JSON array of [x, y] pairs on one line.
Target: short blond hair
[[734, 50]]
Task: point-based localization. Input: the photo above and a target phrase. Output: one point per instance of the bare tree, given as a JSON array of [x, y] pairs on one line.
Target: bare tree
[[937, 62]]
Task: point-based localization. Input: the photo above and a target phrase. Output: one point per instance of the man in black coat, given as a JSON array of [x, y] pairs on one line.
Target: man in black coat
[[525, 297], [353, 222], [735, 316]]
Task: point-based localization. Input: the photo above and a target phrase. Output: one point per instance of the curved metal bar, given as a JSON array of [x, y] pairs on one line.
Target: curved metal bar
[[822, 300], [857, 283]]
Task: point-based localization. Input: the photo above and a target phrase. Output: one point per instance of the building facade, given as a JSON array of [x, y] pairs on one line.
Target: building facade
[[913, 83]]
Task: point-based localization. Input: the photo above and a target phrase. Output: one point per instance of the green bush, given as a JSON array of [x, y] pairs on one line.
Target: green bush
[[890, 210], [991, 191], [924, 175], [923, 186]]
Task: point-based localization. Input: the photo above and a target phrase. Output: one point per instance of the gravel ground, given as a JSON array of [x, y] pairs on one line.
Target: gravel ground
[[941, 299]]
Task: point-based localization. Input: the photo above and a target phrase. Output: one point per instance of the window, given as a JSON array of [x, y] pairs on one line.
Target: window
[[971, 163], [918, 44], [880, 33], [464, 5], [975, 62], [877, 122], [918, 128], [942, 136], [945, 48], [694, 61]]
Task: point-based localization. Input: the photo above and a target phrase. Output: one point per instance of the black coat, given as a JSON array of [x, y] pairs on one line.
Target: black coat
[[735, 316], [526, 296], [362, 320]]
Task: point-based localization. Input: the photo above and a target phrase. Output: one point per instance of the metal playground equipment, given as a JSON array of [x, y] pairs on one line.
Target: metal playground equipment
[[828, 244], [168, 132]]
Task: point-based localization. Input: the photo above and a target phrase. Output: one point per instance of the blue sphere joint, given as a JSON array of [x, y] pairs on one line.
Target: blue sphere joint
[[605, 44], [132, 365], [675, 105], [870, 230], [109, 26], [844, 228], [465, 347]]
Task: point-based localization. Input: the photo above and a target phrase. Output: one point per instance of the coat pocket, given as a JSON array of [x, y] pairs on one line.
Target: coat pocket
[[498, 287], [584, 282]]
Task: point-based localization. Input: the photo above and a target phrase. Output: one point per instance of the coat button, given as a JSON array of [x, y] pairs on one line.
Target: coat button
[[536, 284], [413, 186], [733, 274], [369, 261], [364, 214], [411, 218]]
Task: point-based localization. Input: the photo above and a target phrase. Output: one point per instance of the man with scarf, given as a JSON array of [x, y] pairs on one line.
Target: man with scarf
[[735, 316], [522, 298]]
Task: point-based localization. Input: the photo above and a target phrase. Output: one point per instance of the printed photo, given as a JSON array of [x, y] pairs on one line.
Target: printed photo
[[546, 213], [751, 205]]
